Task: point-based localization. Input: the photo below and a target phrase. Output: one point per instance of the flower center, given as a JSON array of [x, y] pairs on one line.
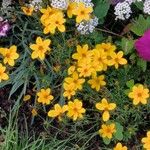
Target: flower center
[[139, 94], [8, 55], [41, 48], [82, 12]]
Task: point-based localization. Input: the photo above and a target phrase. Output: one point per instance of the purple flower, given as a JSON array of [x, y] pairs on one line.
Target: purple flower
[[142, 46], [4, 27]]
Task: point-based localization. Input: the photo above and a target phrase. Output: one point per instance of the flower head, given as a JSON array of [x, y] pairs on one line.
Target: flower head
[[40, 48], [58, 111], [10, 55], [4, 27], [69, 90], [3, 75], [75, 109], [139, 94], [82, 12], [71, 8], [146, 141], [44, 96], [107, 131], [75, 80], [27, 10], [97, 82], [142, 46], [120, 147], [116, 59], [105, 107]]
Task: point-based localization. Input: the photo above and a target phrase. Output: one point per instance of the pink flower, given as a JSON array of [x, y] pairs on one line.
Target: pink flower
[[142, 46], [4, 27]]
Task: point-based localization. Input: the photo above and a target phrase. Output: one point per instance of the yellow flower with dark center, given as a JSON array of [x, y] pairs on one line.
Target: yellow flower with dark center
[[58, 111], [82, 12], [105, 107], [99, 59], [71, 8], [75, 109], [120, 147], [40, 48], [116, 59], [75, 80], [55, 21], [146, 141], [10, 55], [44, 96], [97, 82], [85, 70], [69, 90], [27, 10], [83, 54], [139, 94], [107, 131], [3, 75], [107, 47]]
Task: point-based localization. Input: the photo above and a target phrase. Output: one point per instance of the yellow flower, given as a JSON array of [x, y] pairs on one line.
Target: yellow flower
[[99, 59], [40, 48], [75, 109], [3, 75], [10, 55], [34, 112], [116, 59], [107, 47], [55, 21], [139, 94], [71, 70], [107, 131], [27, 10], [69, 90], [75, 80], [97, 82], [44, 96], [26, 98], [105, 107], [146, 141], [82, 12], [58, 111], [120, 147], [71, 7], [83, 54], [85, 70]]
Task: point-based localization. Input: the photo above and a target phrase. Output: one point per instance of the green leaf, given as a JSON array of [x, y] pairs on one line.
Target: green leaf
[[101, 8], [127, 91], [143, 64], [127, 45], [130, 83], [119, 129], [140, 25], [106, 141], [139, 5]]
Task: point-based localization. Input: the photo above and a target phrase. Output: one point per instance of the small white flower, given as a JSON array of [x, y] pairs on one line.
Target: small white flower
[[122, 10], [6, 3], [87, 27], [146, 7], [60, 4], [87, 3], [36, 4]]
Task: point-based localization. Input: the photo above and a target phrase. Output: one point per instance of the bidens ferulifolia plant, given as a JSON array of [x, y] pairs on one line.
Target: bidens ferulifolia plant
[[79, 70]]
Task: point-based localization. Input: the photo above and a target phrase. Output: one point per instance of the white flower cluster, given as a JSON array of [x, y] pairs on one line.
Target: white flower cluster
[[146, 7], [60, 4], [36, 4], [122, 10], [87, 3], [87, 27], [6, 3]]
